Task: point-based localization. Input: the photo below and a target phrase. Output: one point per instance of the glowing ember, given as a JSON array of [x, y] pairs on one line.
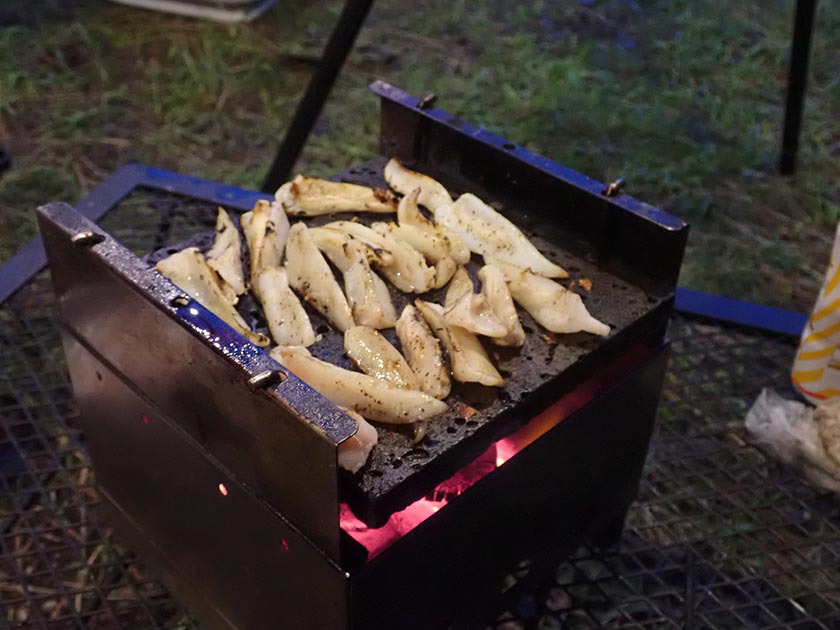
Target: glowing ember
[[376, 540], [223, 490], [465, 478]]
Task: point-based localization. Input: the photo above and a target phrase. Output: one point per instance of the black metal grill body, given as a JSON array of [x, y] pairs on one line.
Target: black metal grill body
[[571, 486], [195, 369], [236, 562], [192, 461], [229, 557]]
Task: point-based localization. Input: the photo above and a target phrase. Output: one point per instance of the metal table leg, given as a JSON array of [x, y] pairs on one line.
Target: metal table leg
[[797, 78], [336, 51]]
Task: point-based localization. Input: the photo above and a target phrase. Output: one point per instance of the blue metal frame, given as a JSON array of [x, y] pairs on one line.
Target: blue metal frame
[[31, 258], [739, 312], [17, 271]]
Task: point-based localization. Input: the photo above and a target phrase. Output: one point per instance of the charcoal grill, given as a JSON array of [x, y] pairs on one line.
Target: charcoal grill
[[220, 467], [720, 537], [207, 452]]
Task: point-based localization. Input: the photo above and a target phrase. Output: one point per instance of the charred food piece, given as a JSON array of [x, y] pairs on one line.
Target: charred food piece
[[310, 197], [373, 398], [490, 234]]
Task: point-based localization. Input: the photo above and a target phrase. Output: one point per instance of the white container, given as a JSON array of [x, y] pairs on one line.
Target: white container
[[217, 10]]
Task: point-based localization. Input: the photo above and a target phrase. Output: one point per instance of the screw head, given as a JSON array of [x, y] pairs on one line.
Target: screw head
[[615, 187], [86, 239], [427, 101], [266, 379]]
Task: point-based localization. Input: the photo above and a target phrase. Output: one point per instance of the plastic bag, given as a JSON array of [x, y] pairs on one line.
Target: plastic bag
[[804, 438]]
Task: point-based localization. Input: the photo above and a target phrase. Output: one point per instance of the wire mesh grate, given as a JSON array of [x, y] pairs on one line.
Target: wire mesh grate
[[720, 537]]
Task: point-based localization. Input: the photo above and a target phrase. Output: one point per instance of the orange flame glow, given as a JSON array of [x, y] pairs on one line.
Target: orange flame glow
[[376, 540]]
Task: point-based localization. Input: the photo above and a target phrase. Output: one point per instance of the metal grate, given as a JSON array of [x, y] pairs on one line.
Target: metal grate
[[719, 538], [59, 566]]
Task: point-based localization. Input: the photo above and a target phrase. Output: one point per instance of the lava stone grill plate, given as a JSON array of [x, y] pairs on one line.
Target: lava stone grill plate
[[544, 369]]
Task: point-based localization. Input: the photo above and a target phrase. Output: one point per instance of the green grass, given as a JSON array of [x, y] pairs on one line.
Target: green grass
[[682, 98]]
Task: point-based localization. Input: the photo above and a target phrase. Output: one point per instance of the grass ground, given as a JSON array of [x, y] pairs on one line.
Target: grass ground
[[683, 98]]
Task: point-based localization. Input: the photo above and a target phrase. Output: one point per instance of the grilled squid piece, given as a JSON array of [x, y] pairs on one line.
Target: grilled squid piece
[[368, 296], [408, 270], [471, 311], [353, 452], [225, 257], [488, 233], [310, 197], [370, 300], [433, 194], [495, 290], [408, 214], [374, 355], [433, 247], [470, 363], [331, 243], [266, 228], [287, 320], [373, 398], [422, 351], [188, 269], [549, 303], [311, 276], [445, 268]]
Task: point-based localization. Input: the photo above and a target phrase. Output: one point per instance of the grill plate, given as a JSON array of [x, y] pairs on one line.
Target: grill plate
[[539, 373]]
